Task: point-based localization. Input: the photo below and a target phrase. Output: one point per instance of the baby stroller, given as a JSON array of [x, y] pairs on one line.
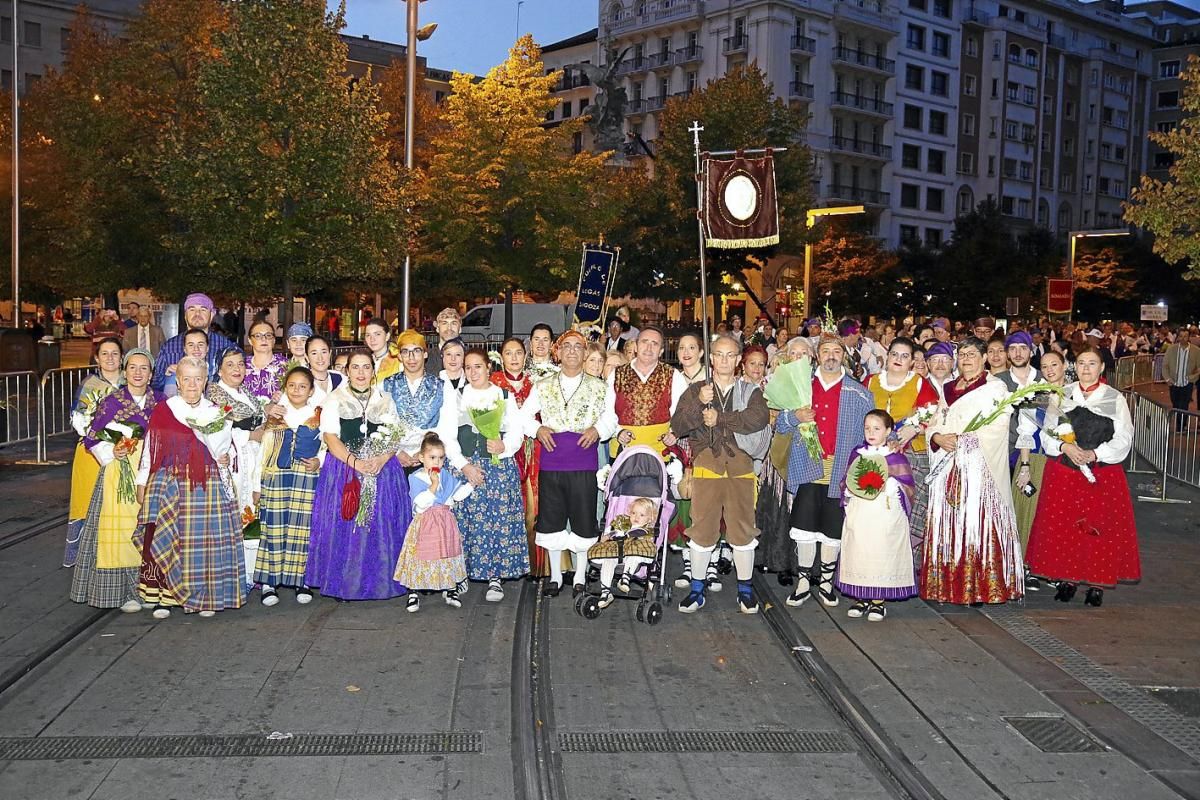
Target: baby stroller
[[638, 471]]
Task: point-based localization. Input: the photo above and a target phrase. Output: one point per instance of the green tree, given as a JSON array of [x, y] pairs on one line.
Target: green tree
[[281, 181], [1170, 209], [505, 203], [737, 110]]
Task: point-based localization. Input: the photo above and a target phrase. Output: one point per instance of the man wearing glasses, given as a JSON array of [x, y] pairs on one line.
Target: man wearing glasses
[[198, 310], [727, 424], [567, 413]]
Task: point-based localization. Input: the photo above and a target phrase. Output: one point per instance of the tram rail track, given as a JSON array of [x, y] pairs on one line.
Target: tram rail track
[[77, 631], [30, 531]]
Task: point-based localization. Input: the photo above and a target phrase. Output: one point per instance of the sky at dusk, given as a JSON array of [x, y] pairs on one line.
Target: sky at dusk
[[472, 35]]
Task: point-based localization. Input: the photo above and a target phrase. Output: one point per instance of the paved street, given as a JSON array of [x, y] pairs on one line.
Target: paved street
[[380, 703]]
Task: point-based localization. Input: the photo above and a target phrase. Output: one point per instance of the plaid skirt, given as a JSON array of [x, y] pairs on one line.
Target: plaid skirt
[[285, 514], [102, 588], [191, 544]]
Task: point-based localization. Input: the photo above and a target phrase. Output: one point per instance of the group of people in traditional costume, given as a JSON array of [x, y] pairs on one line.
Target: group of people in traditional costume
[[396, 471]]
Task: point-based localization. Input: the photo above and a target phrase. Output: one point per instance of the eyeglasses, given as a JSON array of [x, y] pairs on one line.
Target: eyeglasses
[[262, 336], [412, 351], [571, 346]]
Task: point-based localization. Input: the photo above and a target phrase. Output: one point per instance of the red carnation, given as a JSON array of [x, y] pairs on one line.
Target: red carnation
[[870, 481], [226, 409]]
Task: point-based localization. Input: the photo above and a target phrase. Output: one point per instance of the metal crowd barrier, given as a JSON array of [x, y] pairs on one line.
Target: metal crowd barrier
[[1168, 440], [57, 393], [19, 407], [1133, 371]]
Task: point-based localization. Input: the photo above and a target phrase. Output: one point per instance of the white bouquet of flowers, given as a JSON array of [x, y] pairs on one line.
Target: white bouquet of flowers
[[384, 440]]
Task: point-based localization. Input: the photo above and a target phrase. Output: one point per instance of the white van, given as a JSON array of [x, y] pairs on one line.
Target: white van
[[488, 320]]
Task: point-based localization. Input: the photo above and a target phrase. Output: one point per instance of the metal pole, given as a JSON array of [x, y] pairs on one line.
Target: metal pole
[[1071, 258], [16, 170], [519, 4], [410, 114], [808, 253], [695, 131]]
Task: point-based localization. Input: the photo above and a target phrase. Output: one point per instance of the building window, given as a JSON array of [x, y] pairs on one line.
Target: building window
[[566, 110], [995, 88], [1066, 182], [991, 166], [6, 30], [1064, 217], [941, 45], [919, 5], [1012, 91], [1011, 129], [1023, 208], [1102, 185], [939, 83], [1031, 58], [1095, 79], [64, 39], [1047, 104], [941, 8], [933, 238], [969, 85], [1118, 188], [1168, 69], [914, 77], [1010, 168], [1007, 204], [1087, 183], [1106, 151], [966, 163], [965, 201], [910, 156], [1161, 160], [1014, 53], [937, 123], [968, 124], [1119, 153], [1168, 99], [1068, 147], [1026, 171], [996, 48], [33, 36], [1165, 127], [1026, 132], [934, 199], [1030, 96], [31, 79], [916, 37], [912, 117], [1069, 109], [935, 161], [6, 80], [910, 195], [972, 46], [1051, 71], [909, 233], [1045, 142], [1087, 217]]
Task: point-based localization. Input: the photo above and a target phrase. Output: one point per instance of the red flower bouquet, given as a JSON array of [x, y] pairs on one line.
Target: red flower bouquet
[[867, 476]]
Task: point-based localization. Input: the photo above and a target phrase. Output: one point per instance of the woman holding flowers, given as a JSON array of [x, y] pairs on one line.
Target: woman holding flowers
[[264, 367], [106, 570], [246, 414], [514, 378], [1084, 530], [971, 553], [189, 530], [290, 462], [85, 470], [361, 508], [492, 519]]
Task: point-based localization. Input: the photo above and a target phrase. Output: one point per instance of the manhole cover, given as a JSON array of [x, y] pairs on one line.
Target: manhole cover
[[705, 742], [366, 744], [1054, 735]]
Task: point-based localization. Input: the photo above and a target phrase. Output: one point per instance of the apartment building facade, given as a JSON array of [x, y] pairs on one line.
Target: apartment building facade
[[921, 109]]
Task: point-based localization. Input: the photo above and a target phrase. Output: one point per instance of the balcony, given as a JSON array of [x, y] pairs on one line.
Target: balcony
[[660, 60], [972, 15], [804, 44], [869, 13], [684, 95], [870, 61], [652, 14], [735, 44], [861, 147], [800, 91], [1118, 59], [636, 106], [1120, 125], [655, 103], [867, 104], [571, 80], [856, 194], [632, 65], [687, 55]]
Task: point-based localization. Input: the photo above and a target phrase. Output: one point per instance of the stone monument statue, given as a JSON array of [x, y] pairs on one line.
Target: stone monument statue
[[607, 111]]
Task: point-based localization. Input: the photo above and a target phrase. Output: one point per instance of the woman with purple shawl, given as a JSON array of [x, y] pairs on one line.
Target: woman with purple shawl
[[106, 570], [877, 492]]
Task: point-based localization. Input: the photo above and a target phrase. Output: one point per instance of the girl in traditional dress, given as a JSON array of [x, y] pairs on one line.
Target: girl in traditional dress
[[264, 367], [1031, 465], [352, 556], [971, 552], [1084, 530], [492, 519], [292, 451], [189, 530], [325, 380], [513, 378], [876, 562], [246, 414], [432, 558], [85, 470], [452, 373], [297, 337], [106, 570], [690, 352]]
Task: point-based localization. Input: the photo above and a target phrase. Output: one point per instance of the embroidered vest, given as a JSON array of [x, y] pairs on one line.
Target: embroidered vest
[[579, 412], [420, 409], [639, 403]]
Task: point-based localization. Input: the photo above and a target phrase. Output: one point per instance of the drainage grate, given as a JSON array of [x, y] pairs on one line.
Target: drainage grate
[[705, 742], [1055, 735], [365, 744]]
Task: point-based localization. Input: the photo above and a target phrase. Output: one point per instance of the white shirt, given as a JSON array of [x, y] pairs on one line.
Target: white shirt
[[1106, 402], [606, 424]]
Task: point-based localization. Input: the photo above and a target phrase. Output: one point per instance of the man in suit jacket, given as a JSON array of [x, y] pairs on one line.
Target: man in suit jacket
[[144, 334]]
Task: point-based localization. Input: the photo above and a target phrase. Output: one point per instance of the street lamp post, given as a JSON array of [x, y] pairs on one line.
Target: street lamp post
[[1096, 234], [810, 221], [415, 35], [16, 170]]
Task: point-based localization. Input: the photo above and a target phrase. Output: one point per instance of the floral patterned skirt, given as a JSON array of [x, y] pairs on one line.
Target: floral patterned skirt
[[492, 521]]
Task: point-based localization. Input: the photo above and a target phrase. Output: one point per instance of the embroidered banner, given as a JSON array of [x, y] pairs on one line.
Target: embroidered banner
[[740, 206], [1060, 295], [595, 280]]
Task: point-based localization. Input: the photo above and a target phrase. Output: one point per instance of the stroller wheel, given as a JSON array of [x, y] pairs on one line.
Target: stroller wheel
[[641, 612], [579, 604], [591, 607], [724, 566], [653, 614]]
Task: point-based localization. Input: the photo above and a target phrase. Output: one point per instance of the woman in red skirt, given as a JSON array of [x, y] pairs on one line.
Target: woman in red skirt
[[1084, 531]]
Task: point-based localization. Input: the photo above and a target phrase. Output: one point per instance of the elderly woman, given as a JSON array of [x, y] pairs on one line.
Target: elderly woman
[[189, 530], [357, 532], [246, 414], [492, 519], [106, 570], [85, 470], [972, 553], [264, 367], [1084, 530]]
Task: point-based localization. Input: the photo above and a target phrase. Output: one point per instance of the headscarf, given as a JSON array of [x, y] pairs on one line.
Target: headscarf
[[300, 329], [456, 341], [940, 349], [137, 351], [201, 300], [408, 338], [1019, 337]]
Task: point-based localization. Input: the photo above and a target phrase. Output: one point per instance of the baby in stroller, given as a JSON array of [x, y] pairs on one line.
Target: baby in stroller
[[627, 542]]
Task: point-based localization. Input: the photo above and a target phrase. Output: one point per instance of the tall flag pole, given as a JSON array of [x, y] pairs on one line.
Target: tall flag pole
[[695, 130]]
